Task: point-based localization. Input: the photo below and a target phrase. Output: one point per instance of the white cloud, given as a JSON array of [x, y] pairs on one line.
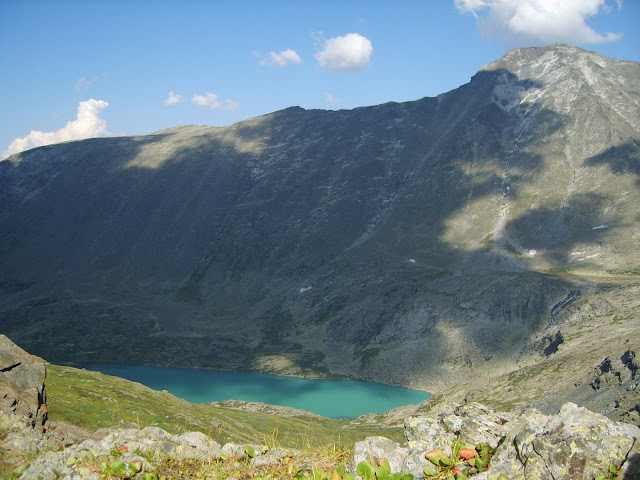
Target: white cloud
[[88, 124], [283, 59], [230, 105], [519, 23], [350, 53], [173, 99], [330, 99], [210, 100], [84, 83]]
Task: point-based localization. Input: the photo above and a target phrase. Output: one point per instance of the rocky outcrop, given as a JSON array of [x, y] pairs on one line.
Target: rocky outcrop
[[16, 436], [63, 434], [574, 444], [562, 304], [616, 372], [130, 445], [22, 388]]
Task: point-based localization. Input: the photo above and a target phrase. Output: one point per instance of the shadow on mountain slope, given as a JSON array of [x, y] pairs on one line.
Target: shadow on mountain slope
[[385, 242], [622, 159]]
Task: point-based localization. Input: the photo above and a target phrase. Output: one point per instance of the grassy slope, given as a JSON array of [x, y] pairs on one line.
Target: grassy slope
[[93, 400]]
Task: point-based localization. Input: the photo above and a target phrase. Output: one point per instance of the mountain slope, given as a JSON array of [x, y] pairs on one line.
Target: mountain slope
[[402, 242]]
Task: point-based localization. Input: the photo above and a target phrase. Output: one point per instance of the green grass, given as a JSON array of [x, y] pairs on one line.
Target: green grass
[[93, 400]]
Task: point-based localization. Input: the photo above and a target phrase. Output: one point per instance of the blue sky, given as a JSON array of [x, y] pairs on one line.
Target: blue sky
[[77, 69]]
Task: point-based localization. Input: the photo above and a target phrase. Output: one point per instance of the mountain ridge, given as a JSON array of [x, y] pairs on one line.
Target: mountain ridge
[[403, 242]]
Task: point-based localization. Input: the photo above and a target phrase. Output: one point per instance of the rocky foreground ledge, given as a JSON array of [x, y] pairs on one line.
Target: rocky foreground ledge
[[574, 444]]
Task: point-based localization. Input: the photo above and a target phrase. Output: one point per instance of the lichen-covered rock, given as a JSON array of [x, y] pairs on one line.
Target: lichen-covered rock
[[427, 433], [478, 424], [81, 460], [238, 450], [373, 448], [16, 434], [415, 462], [572, 445], [49, 466], [22, 389], [273, 456], [196, 445]]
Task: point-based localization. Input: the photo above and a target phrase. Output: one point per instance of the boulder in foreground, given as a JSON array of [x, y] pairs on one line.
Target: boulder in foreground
[[574, 444], [22, 387]]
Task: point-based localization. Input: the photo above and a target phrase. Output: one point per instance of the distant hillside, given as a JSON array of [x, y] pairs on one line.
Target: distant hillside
[[412, 243]]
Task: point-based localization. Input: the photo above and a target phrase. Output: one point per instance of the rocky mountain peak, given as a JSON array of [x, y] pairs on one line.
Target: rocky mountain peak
[[538, 62], [562, 77]]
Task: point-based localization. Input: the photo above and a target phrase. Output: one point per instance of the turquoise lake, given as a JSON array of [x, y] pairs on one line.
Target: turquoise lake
[[329, 398]]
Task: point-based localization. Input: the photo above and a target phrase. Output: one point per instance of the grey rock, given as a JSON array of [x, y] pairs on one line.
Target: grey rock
[[415, 461], [475, 423], [153, 441], [428, 433], [374, 448], [197, 440], [16, 434], [196, 445], [22, 387], [50, 467], [577, 443], [574, 444], [64, 434], [156, 433], [273, 456], [237, 450]]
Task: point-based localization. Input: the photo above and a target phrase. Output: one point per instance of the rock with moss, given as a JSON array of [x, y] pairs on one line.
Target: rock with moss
[[128, 448], [574, 444], [17, 435], [274, 456]]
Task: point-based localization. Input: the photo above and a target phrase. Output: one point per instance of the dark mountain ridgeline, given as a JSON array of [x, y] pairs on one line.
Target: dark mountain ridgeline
[[399, 242]]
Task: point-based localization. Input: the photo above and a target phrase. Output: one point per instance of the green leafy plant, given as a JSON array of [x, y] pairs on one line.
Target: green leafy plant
[[153, 476], [614, 473], [248, 449], [117, 467], [315, 474], [464, 462], [135, 467], [382, 471], [342, 471], [366, 470]]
